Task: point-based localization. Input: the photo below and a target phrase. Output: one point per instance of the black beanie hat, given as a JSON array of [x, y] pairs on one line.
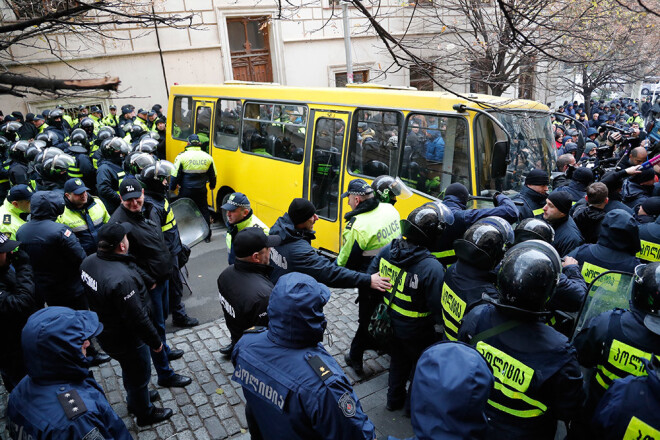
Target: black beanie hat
[[561, 200], [583, 175], [652, 206], [459, 191], [644, 176], [301, 210], [537, 177]]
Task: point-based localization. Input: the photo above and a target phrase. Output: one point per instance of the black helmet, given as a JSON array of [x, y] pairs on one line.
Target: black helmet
[[155, 177], [104, 134], [49, 137], [528, 276], [58, 165], [55, 114], [387, 188], [136, 131], [147, 145], [88, 125], [645, 295], [10, 130], [136, 161], [375, 168], [534, 229], [114, 148], [503, 226], [150, 134], [4, 142], [18, 150], [482, 245], [34, 149], [425, 225], [79, 136]]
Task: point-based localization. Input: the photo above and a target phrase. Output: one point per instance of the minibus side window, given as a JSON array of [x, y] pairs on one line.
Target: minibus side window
[[275, 130], [328, 145], [227, 123], [182, 119], [435, 153], [374, 146]]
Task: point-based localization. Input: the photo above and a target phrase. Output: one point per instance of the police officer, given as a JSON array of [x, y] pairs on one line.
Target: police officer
[[456, 199], [84, 167], [59, 398], [155, 180], [193, 169], [301, 391], [556, 212], [615, 249], [239, 216], [83, 213], [479, 251], [56, 124], [537, 377], [370, 226], [245, 286], [15, 209], [18, 164], [295, 252], [615, 342], [17, 303], [414, 299], [533, 194], [54, 172], [111, 120], [649, 237], [117, 292], [148, 246], [110, 172], [141, 119], [577, 187], [387, 189], [630, 407]]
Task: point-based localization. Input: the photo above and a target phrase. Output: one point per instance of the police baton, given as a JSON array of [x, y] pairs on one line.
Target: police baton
[[490, 199]]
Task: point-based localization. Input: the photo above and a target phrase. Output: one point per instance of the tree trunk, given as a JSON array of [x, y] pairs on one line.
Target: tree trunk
[[51, 84]]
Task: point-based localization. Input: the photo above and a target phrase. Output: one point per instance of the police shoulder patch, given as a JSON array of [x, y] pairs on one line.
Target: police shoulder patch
[[67, 233], [6, 219], [347, 404], [349, 224], [319, 367], [72, 404], [255, 329]]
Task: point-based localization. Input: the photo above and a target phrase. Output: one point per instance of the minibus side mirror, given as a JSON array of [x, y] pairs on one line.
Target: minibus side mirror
[[500, 159]]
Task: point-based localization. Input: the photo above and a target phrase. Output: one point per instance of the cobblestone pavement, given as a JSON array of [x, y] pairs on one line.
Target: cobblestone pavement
[[212, 407]]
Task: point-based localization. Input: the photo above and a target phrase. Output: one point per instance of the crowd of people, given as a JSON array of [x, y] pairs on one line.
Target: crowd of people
[[475, 307]]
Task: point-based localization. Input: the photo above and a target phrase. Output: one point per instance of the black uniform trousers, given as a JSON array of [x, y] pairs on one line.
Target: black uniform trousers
[[367, 303]]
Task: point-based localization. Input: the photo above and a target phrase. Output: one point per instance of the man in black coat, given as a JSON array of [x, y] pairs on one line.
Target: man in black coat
[[115, 287], [555, 212], [17, 303], [245, 286], [533, 194], [148, 246], [295, 253]]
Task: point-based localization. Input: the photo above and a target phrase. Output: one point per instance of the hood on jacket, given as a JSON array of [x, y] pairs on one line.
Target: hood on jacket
[[404, 253], [619, 231], [632, 190], [446, 402], [286, 230], [587, 213], [295, 311], [52, 340], [46, 205], [533, 195], [454, 203]]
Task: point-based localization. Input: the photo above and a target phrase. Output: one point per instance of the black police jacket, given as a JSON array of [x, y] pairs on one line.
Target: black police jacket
[[537, 376], [107, 184], [18, 173], [54, 250], [244, 292], [295, 254], [17, 302], [567, 235], [147, 243], [117, 292], [533, 203], [172, 236]]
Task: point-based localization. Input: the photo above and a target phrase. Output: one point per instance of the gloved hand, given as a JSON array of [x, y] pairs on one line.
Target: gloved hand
[[496, 202]]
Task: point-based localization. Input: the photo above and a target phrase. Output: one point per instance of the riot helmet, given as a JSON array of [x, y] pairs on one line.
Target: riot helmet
[[503, 226], [388, 188], [534, 229], [645, 295], [18, 150], [114, 148], [482, 245], [425, 225], [4, 142], [88, 125], [136, 131], [104, 134], [49, 137], [79, 136], [34, 149], [10, 130], [155, 177], [55, 118], [147, 145], [528, 276], [375, 168], [58, 165], [136, 161]]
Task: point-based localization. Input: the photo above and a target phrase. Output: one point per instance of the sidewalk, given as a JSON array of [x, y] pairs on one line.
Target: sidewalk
[[212, 407]]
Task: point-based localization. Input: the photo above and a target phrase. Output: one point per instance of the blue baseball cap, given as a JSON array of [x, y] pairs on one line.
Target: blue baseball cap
[[20, 192], [236, 200], [75, 186], [358, 187]]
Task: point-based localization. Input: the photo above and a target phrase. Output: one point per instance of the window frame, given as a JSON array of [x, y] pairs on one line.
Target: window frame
[[341, 153], [283, 104], [190, 109], [218, 107]]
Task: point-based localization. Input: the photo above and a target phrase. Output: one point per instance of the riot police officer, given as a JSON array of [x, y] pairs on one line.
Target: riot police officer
[[615, 342], [18, 164], [83, 168], [54, 172], [537, 376], [414, 298], [110, 172], [301, 391], [370, 226], [479, 251], [239, 216], [193, 169]]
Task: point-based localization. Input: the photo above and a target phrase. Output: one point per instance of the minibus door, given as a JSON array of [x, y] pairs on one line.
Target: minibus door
[[203, 120]]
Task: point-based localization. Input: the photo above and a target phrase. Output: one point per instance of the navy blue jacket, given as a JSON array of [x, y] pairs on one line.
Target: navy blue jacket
[[54, 250], [293, 387], [18, 173], [567, 235], [464, 218], [650, 232], [630, 408], [172, 236], [616, 247], [422, 285], [576, 190], [107, 184], [532, 201], [570, 290], [295, 254], [58, 367], [84, 169], [634, 194], [555, 383], [614, 203]]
